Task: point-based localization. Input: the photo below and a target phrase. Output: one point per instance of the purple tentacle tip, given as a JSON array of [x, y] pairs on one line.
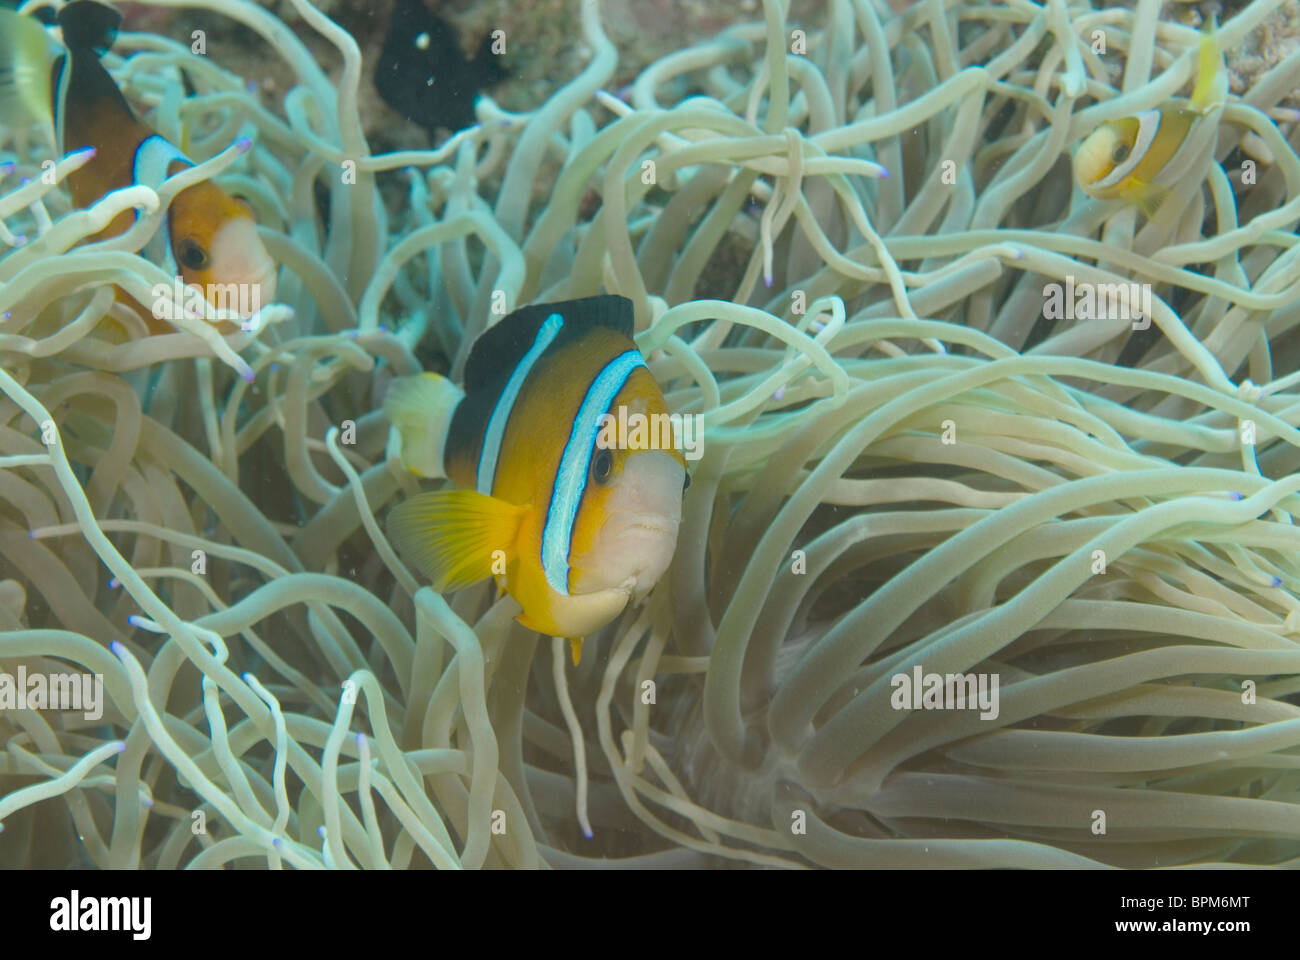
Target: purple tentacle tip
[[320, 831], [114, 583], [23, 181], [248, 375], [148, 803], [121, 746], [277, 842], [275, 367], [117, 648], [88, 151], [884, 173], [767, 278], [31, 534], [243, 143], [1235, 495], [779, 393], [135, 620], [1277, 581], [246, 676]]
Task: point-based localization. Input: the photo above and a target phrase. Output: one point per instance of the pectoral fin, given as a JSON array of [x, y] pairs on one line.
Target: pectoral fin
[[575, 616], [453, 536], [1156, 202]]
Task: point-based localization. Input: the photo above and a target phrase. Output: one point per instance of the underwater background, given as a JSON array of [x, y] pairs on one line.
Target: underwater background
[[989, 555]]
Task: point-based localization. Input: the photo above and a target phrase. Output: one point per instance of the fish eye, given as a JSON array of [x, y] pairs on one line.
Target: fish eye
[[190, 254], [1120, 153], [602, 465]]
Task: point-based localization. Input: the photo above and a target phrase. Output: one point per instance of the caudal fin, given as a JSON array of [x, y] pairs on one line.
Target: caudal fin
[[26, 54], [420, 409], [1211, 79]]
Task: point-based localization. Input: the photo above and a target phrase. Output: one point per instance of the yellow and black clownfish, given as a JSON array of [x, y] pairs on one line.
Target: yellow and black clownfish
[[1122, 159], [208, 237], [578, 526]]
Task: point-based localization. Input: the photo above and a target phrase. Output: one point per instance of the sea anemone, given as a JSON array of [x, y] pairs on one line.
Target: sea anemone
[[839, 239]]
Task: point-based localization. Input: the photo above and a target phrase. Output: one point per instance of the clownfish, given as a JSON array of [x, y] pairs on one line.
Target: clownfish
[[1122, 158], [572, 526], [208, 236]]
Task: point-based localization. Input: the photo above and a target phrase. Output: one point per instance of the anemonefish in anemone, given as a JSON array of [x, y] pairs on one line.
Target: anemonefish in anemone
[[208, 237], [571, 527], [1124, 158]]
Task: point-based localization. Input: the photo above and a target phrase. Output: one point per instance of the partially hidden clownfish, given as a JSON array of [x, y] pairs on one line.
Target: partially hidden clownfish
[[1124, 158], [208, 236], [572, 526]]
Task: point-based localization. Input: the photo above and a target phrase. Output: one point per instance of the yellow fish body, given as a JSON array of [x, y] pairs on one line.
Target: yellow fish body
[[1122, 158], [572, 526]]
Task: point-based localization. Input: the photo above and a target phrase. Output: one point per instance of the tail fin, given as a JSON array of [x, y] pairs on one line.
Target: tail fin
[[420, 409], [26, 54], [87, 24], [1211, 80]]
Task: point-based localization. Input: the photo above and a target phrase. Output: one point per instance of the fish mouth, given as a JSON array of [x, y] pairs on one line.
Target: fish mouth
[[266, 282], [642, 523]]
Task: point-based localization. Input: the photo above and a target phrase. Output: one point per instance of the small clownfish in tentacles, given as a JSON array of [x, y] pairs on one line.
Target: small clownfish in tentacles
[[583, 526], [208, 237], [1122, 158]]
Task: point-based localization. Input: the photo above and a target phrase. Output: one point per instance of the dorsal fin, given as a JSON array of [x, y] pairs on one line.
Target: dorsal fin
[[89, 24], [500, 347]]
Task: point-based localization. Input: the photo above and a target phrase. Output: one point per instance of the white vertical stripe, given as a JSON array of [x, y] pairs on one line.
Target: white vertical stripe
[[571, 477], [496, 429], [1148, 127], [153, 157]]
